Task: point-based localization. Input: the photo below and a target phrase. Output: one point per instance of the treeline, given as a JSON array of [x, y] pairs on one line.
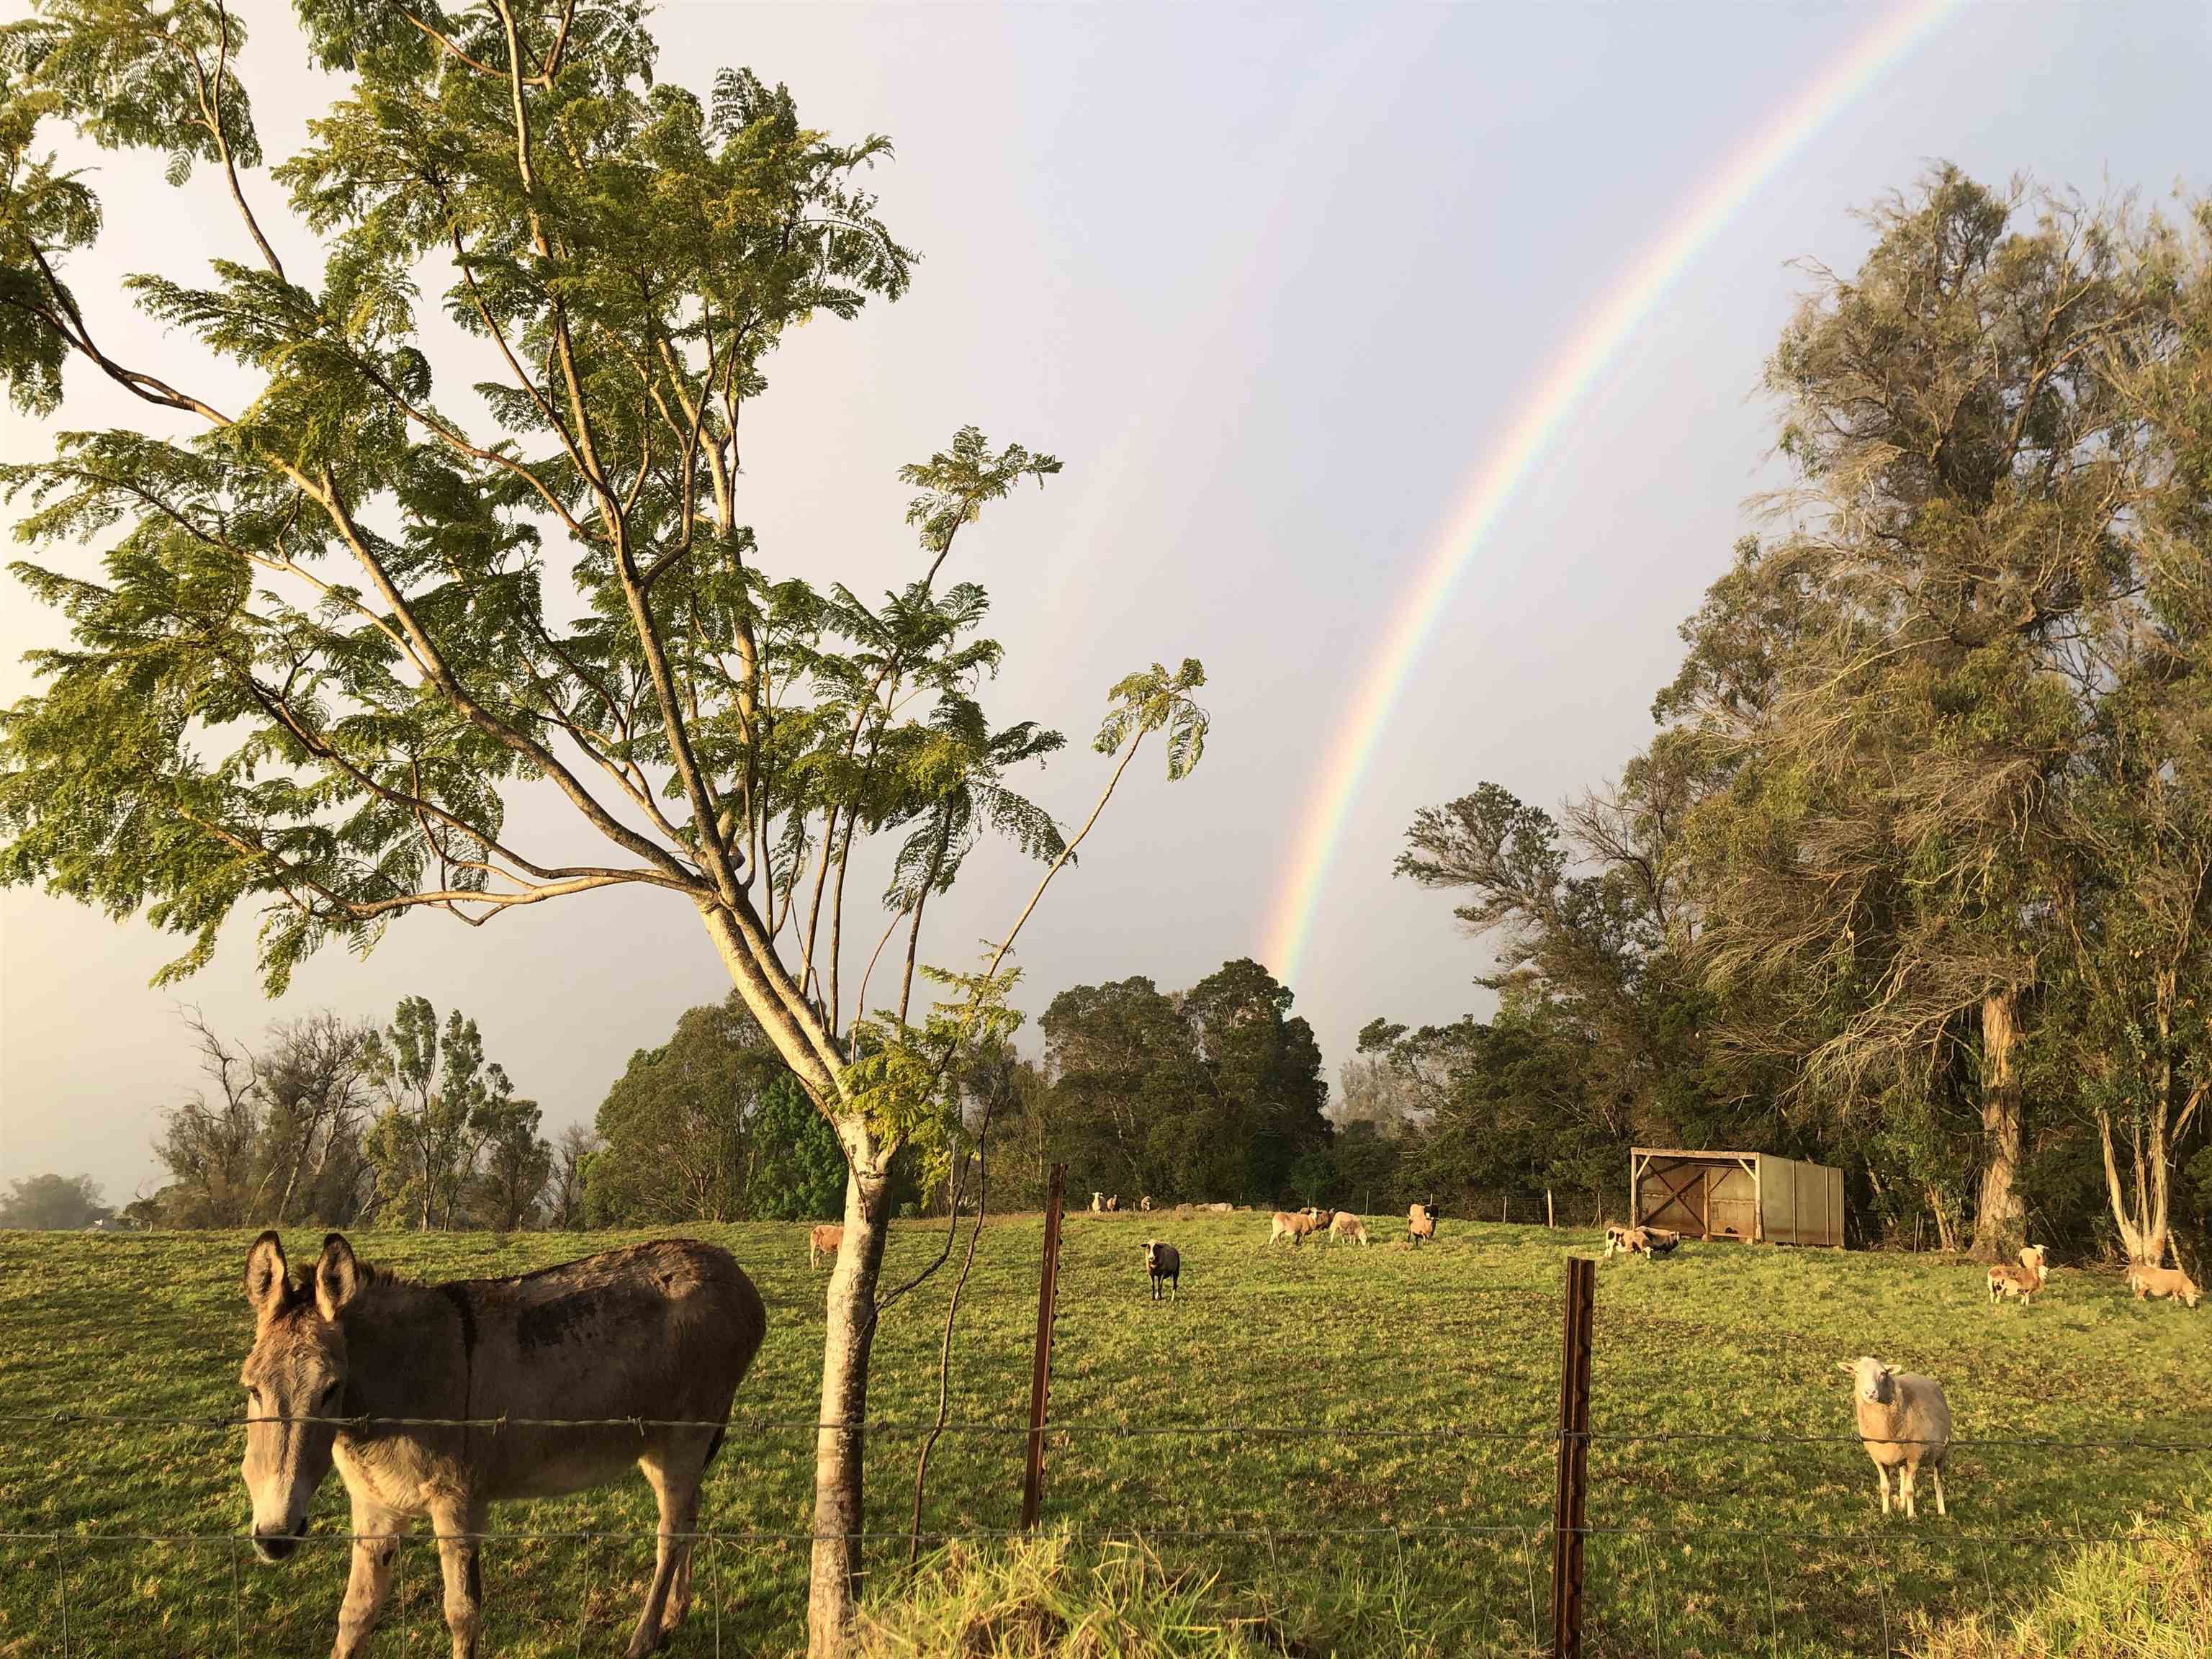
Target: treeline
[[1215, 1092], [409, 1125], [1913, 877]]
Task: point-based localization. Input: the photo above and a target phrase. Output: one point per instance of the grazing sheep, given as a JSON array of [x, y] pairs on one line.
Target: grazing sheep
[[1905, 1423], [2023, 1281], [1421, 1222], [1114, 1205], [1163, 1262], [2153, 1282], [1646, 1241], [1349, 1226], [827, 1239], [1292, 1227], [1145, 1202], [1098, 1203]]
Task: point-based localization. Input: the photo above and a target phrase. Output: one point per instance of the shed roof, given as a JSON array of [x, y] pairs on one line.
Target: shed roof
[[1714, 1154]]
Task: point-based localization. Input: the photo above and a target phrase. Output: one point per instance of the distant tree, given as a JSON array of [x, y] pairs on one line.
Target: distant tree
[[440, 1101], [564, 1204], [1215, 1093], [52, 1203], [676, 1141], [1130, 1102], [210, 1141], [798, 1174], [516, 1164], [273, 1136], [313, 1080], [1265, 1069]]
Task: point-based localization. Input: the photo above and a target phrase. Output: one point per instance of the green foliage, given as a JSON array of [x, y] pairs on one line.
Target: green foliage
[[799, 1174], [678, 1131], [1213, 1094], [1155, 700], [443, 1105]]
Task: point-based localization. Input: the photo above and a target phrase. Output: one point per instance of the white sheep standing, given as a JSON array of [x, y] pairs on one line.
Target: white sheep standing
[[1905, 1422]]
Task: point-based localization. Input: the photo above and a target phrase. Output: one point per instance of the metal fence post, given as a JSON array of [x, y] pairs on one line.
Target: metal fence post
[[1041, 1369], [1569, 1494]]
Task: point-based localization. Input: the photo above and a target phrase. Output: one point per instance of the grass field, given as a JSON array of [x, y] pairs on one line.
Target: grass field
[[1354, 1540]]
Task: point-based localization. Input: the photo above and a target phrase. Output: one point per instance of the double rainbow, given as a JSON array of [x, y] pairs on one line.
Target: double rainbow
[[1566, 381]]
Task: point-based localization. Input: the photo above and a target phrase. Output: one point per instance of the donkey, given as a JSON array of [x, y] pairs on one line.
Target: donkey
[[664, 1330]]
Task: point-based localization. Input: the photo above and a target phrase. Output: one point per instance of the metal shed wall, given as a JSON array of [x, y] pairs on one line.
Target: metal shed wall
[[1740, 1195]]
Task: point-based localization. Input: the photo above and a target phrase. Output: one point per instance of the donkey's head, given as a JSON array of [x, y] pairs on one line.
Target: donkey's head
[[296, 1371]]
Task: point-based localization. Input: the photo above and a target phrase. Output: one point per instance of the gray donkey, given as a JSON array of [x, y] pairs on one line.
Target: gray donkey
[[664, 1330]]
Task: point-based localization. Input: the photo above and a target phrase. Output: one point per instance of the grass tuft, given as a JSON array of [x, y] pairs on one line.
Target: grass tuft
[[2147, 1597]]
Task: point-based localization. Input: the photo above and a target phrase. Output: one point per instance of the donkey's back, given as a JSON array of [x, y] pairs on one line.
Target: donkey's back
[[656, 1337]]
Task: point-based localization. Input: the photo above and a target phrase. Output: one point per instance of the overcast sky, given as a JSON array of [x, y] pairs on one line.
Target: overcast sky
[[1272, 281]]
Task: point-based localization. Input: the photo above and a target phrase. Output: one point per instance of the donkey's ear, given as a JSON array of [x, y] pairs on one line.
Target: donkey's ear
[[267, 1289], [338, 1276]]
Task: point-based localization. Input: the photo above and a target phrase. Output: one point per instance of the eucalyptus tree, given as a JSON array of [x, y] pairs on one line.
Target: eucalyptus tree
[[1964, 539], [346, 615]]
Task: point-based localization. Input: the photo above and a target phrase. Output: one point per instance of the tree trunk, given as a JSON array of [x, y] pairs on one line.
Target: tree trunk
[[2000, 1219], [840, 1444]]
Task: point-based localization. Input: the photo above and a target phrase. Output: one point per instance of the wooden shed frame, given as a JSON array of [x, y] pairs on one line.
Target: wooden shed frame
[[1755, 1197]]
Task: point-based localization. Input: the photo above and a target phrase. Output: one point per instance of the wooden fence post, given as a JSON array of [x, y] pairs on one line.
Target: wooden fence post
[[1568, 1507], [1040, 1368]]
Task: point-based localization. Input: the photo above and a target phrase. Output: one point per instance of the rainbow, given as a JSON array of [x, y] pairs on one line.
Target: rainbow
[[1567, 379]]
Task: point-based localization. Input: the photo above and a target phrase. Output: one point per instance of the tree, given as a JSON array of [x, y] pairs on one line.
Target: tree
[[52, 1203], [572, 1161], [1265, 1069], [1968, 517], [1213, 1093], [442, 1103], [674, 1131], [356, 608], [313, 1082], [799, 1174], [209, 1144], [518, 1162]]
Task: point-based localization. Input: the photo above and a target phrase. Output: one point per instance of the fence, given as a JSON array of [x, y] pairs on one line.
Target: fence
[[1483, 1576]]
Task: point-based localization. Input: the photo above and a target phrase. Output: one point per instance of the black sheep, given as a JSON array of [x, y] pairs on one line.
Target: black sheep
[[1164, 1264]]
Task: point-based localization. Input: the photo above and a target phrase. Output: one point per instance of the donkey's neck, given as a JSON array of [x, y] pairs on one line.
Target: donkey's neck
[[409, 1352]]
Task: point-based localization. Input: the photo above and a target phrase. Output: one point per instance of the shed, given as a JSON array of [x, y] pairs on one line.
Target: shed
[[1753, 1196]]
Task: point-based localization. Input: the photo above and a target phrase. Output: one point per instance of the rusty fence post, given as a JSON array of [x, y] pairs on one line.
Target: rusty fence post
[[1568, 1506], [1041, 1369]]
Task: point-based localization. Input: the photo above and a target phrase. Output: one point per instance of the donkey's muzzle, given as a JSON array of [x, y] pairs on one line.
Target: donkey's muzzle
[[274, 1546]]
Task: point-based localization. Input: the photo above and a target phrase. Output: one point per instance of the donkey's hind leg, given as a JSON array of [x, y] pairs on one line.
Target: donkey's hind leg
[[674, 1472]]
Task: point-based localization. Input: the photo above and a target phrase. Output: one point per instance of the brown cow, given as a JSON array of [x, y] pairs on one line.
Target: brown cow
[[662, 1332]]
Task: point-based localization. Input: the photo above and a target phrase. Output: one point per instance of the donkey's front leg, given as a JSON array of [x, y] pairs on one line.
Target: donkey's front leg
[[457, 1525], [376, 1534]]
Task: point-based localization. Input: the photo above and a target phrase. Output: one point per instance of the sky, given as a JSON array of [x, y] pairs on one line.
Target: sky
[[1281, 286]]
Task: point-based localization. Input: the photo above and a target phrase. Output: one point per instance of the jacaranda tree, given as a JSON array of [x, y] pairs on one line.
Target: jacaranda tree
[[347, 617]]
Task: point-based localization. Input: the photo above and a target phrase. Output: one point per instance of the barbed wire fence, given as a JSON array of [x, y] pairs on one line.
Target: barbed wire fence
[[1643, 1579], [1637, 1588]]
